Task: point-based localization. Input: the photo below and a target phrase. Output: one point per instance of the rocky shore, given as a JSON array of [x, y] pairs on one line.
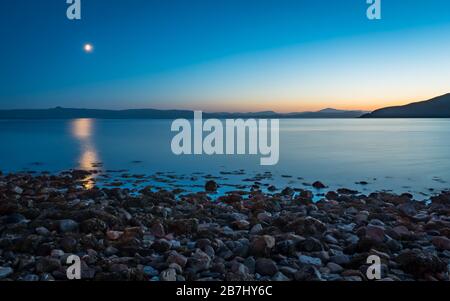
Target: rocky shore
[[244, 235]]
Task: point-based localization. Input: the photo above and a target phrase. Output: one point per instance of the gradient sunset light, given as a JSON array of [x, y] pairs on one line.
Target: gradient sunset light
[[225, 55]]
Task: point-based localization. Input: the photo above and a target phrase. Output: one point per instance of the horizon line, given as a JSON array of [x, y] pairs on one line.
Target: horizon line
[[185, 109]]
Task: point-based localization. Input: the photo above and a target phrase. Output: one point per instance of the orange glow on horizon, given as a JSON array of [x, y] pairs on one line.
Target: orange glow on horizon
[[300, 105]]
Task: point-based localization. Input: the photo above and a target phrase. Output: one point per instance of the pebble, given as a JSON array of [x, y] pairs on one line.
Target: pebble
[[266, 267], [150, 272], [18, 190], [199, 261], [162, 245], [31, 278], [68, 225], [5, 272], [334, 268], [256, 229], [42, 231], [441, 242], [280, 277], [304, 259], [262, 245], [318, 185], [211, 186], [175, 257], [340, 259], [114, 235], [375, 233]]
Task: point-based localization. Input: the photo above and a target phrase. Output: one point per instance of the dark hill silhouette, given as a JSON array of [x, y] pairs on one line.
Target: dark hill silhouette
[[66, 113], [438, 107]]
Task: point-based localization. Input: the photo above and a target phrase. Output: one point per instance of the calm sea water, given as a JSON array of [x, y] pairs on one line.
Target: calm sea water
[[403, 155]]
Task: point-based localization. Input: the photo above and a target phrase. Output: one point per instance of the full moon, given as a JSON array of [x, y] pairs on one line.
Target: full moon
[[88, 48]]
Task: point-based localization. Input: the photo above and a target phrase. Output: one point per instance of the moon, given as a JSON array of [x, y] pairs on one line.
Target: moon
[[88, 48]]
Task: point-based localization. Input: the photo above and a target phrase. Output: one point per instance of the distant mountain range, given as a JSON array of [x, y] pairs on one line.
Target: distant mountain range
[[66, 113], [438, 107]]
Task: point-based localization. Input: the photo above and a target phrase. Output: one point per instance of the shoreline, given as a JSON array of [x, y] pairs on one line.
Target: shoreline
[[245, 235], [242, 180]]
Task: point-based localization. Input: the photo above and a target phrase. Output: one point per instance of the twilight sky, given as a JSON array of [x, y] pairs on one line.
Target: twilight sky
[[223, 55]]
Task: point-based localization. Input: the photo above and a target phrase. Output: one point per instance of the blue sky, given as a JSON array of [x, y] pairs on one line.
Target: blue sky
[[235, 55]]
